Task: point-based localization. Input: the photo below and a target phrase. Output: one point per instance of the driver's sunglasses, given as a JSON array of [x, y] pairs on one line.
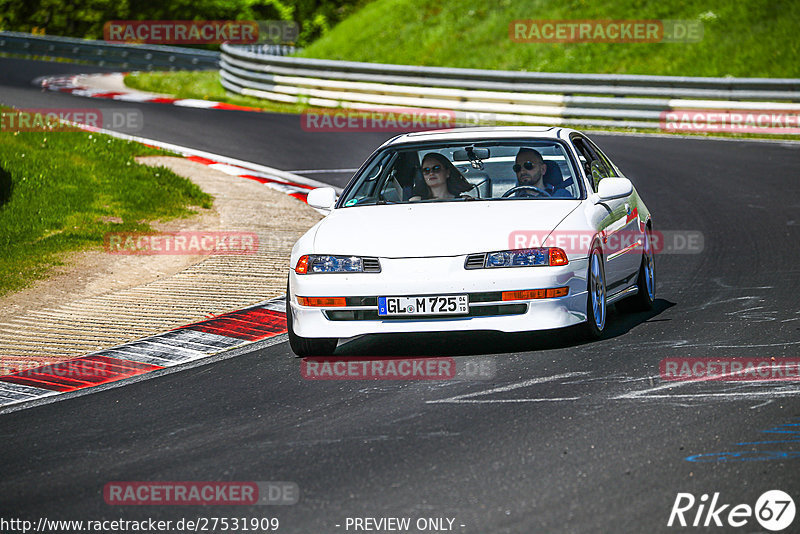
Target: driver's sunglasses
[[428, 170], [528, 165]]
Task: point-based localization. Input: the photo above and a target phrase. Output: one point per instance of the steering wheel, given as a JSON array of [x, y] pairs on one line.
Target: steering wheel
[[521, 187]]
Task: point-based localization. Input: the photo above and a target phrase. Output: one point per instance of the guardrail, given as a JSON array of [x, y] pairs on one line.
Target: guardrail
[[509, 96], [125, 56]]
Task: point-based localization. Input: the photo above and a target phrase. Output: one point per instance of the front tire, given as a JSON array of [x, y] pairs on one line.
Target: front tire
[[646, 281], [596, 305], [307, 346]]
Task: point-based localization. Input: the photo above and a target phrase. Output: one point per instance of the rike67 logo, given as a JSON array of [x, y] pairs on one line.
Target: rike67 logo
[[774, 510]]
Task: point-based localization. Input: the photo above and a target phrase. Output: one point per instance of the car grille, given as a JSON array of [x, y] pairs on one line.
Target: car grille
[[371, 265], [475, 261]]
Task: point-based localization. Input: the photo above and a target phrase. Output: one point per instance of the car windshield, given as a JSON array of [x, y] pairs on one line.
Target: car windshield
[[519, 170]]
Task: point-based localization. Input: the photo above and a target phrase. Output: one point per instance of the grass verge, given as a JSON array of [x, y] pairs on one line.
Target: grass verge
[[61, 192], [751, 38]]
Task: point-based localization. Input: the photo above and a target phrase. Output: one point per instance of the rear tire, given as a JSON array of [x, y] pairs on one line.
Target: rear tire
[[596, 305], [646, 281], [307, 346]]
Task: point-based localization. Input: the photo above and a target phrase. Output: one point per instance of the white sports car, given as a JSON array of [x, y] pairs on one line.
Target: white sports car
[[506, 229]]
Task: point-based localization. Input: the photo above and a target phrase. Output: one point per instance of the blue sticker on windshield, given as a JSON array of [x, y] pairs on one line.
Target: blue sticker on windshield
[[351, 202]]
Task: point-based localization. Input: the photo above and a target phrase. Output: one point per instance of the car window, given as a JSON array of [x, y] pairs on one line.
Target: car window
[[610, 164], [595, 166], [482, 171]]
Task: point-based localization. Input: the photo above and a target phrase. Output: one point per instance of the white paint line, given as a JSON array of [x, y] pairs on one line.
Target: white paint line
[[195, 103], [648, 393], [499, 401], [510, 387], [754, 395], [322, 171], [23, 390], [130, 97]]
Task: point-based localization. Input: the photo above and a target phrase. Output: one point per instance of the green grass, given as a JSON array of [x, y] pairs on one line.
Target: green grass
[[752, 38], [59, 191]]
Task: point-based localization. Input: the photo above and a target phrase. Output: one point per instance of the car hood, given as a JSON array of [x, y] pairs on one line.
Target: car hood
[[436, 229]]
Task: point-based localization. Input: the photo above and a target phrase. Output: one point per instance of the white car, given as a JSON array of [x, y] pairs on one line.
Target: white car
[[533, 229]]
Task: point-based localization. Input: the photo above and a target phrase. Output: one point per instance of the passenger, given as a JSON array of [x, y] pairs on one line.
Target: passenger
[[442, 179], [530, 169]]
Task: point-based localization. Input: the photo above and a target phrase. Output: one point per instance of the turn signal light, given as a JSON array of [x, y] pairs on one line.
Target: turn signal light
[[530, 294], [558, 257], [302, 265], [327, 302]]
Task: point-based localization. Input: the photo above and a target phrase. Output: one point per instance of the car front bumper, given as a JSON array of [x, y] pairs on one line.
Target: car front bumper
[[439, 276]]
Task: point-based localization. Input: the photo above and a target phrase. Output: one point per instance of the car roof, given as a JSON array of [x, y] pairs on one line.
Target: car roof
[[480, 133]]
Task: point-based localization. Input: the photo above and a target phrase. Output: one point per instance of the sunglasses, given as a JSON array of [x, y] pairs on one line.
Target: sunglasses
[[428, 170], [528, 165]]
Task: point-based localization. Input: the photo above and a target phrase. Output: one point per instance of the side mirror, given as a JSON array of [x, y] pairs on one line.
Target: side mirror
[[612, 188], [323, 198]]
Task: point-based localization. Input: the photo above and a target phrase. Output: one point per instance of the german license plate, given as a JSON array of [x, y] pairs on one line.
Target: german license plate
[[428, 305]]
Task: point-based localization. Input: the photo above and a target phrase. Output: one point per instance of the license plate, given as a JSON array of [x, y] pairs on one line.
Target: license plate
[[430, 305]]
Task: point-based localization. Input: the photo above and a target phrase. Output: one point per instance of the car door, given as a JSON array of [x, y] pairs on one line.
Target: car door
[[632, 237], [613, 216]]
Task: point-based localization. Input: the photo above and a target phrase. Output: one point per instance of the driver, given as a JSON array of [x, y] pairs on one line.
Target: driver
[[530, 168]]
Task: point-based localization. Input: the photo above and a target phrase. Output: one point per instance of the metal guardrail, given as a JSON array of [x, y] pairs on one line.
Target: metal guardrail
[[528, 97], [101, 53]]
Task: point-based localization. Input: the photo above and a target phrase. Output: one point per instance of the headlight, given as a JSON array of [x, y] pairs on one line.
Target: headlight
[[329, 264], [526, 258]]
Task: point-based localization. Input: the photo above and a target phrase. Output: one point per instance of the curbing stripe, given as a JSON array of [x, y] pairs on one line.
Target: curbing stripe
[[21, 393], [69, 84], [201, 341], [251, 324], [78, 373], [169, 349]]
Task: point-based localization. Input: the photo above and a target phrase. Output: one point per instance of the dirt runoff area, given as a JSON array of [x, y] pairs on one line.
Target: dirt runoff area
[[99, 300]]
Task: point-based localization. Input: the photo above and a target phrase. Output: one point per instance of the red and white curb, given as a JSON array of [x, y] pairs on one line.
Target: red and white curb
[[86, 85], [180, 346], [286, 182]]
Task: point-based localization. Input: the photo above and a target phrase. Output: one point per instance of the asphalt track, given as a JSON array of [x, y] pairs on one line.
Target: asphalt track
[[568, 437]]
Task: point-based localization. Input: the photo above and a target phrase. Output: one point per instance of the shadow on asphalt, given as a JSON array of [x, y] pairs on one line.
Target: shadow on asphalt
[[489, 342]]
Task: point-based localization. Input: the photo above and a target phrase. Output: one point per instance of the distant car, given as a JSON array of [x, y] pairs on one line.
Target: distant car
[[496, 256]]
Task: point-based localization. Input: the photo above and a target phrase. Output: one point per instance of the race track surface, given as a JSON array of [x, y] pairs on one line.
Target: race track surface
[[568, 437]]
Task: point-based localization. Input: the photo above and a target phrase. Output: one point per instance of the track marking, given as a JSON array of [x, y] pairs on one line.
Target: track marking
[[651, 393], [466, 398]]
